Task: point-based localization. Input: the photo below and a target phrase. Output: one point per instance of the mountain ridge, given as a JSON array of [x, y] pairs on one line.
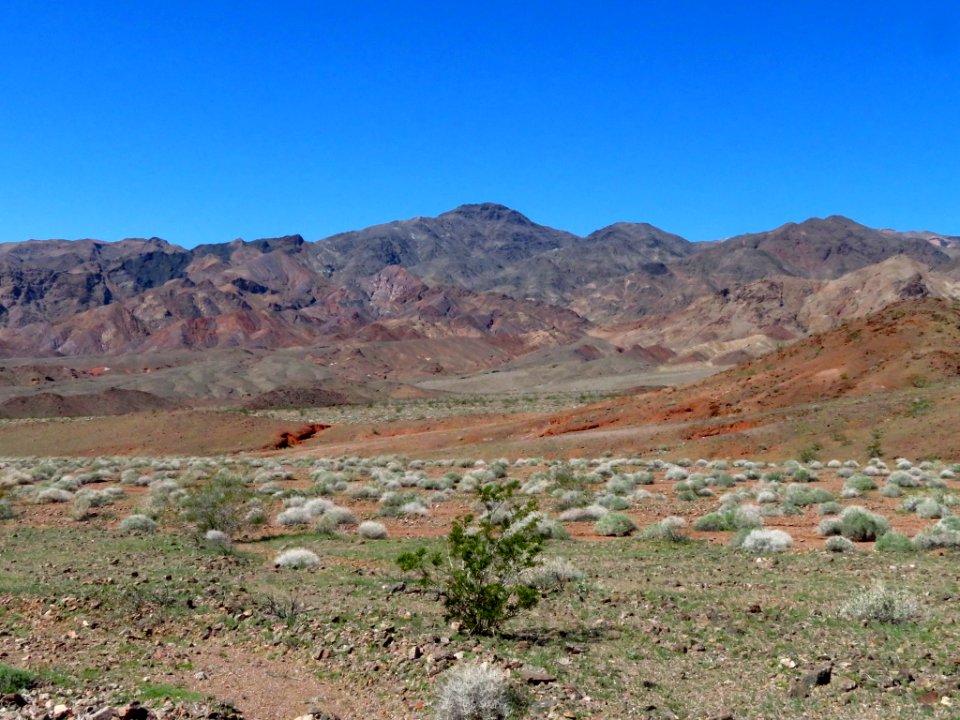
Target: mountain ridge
[[480, 269]]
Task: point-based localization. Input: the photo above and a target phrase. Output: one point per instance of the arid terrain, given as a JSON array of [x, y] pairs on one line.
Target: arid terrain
[[729, 444]]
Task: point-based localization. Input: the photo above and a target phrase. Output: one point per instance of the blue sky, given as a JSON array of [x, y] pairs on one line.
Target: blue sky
[[206, 121]]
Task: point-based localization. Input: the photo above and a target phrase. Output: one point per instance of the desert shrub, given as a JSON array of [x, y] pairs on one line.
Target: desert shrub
[[413, 508], [372, 530], [894, 542], [839, 544], [767, 497], [861, 525], [675, 474], [762, 541], [567, 499], [830, 526], [803, 495], [722, 521], [479, 572], [81, 509], [891, 491], [950, 523], [643, 477], [297, 558], [13, 679], [936, 537], [53, 495], [614, 525], [802, 475], [326, 525], [138, 524], [737, 518], [552, 573], [294, 516], [392, 504], [547, 527], [317, 506], [581, 514], [863, 483], [255, 516], [217, 505], [882, 605], [340, 516], [829, 508], [903, 479], [472, 691], [364, 492], [6, 510], [613, 502], [721, 480], [670, 528], [930, 509], [217, 539]]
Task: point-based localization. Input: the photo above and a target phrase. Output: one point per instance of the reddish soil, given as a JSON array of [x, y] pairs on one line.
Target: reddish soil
[[290, 438]]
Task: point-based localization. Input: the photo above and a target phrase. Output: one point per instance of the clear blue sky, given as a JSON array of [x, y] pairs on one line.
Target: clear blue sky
[[203, 121]]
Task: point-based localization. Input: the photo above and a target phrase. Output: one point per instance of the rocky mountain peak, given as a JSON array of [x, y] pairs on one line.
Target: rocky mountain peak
[[489, 212]]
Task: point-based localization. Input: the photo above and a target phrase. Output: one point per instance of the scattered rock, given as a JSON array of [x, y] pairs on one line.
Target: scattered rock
[[135, 711], [13, 700], [802, 686], [107, 713], [536, 676]]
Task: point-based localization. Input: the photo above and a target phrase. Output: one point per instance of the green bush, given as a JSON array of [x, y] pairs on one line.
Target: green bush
[[479, 574], [861, 525], [894, 542], [863, 483], [737, 518], [614, 525], [14, 679], [217, 505], [670, 528]]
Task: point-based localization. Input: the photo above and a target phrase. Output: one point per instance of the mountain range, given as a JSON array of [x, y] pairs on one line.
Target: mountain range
[[627, 293]]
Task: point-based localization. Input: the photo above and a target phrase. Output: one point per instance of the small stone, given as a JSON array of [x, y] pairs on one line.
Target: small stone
[[415, 653], [61, 711], [13, 699], [135, 711], [107, 713], [536, 676]]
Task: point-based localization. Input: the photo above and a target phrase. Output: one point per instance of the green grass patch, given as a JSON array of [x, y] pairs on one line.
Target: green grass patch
[[14, 679]]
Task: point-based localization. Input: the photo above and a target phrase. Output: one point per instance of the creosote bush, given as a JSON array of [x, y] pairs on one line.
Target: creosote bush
[[479, 574], [217, 505]]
